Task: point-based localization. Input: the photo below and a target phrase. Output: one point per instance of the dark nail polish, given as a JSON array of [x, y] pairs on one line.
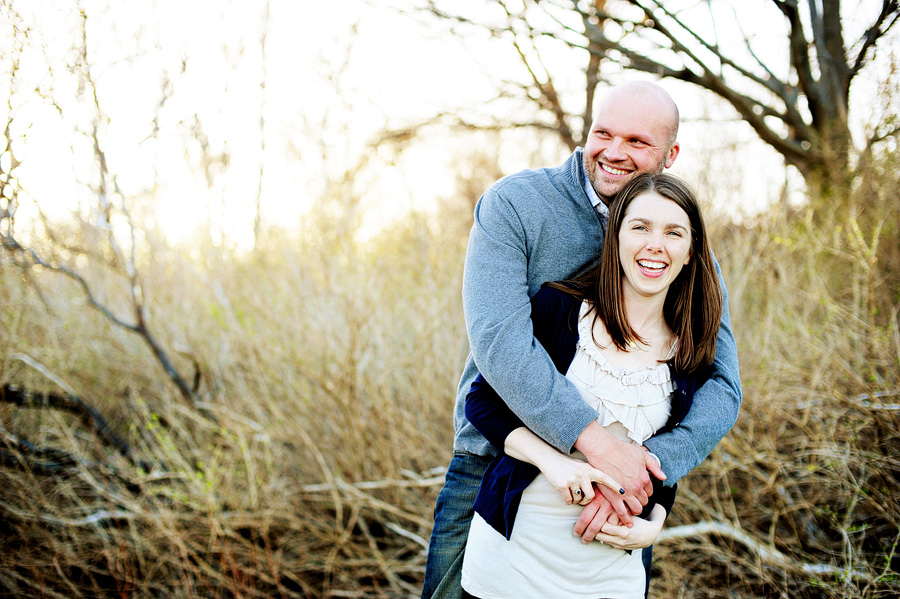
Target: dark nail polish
[[621, 491]]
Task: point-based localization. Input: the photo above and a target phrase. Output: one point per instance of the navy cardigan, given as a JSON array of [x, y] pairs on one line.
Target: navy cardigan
[[554, 315]]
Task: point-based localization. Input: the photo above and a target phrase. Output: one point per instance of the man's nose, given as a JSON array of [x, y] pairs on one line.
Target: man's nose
[[614, 151]]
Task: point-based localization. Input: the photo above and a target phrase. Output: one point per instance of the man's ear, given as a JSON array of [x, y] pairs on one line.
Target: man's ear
[[673, 154]]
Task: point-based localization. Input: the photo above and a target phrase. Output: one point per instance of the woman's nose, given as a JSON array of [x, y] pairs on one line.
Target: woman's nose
[[655, 242]]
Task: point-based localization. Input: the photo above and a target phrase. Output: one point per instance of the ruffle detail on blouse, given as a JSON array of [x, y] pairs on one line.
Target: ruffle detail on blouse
[[623, 394]]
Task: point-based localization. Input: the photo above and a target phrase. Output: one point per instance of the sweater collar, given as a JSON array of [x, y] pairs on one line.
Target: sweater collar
[[599, 206]]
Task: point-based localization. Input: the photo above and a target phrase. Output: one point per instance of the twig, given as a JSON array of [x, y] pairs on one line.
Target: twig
[[377, 503], [69, 402], [91, 519], [866, 400], [765, 553], [376, 484], [383, 565], [40, 590], [326, 470], [48, 460], [405, 533], [43, 370], [75, 592]]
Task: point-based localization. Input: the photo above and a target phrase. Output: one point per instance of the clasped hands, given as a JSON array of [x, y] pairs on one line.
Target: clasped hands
[[610, 508], [604, 500]]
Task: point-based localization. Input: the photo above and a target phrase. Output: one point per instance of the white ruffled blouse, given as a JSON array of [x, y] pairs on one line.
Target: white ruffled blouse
[[542, 558], [636, 398]]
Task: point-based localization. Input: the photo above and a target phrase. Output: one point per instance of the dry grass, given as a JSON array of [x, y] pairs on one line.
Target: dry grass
[[326, 364]]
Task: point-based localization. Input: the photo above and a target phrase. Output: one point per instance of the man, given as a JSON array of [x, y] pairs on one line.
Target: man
[[546, 225]]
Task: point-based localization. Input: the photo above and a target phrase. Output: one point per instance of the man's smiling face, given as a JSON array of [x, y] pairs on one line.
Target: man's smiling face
[[632, 134]]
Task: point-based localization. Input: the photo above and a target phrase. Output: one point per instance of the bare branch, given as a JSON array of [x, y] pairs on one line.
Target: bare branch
[[752, 110], [892, 131], [92, 519], [69, 402], [433, 481], [20, 452], [766, 553], [890, 11], [128, 262], [549, 98], [803, 114], [10, 243]]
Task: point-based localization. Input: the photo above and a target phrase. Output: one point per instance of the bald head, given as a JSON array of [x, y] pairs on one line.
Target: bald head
[[650, 95], [635, 132]]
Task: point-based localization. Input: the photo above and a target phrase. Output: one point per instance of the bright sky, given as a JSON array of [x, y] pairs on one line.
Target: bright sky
[[335, 74]]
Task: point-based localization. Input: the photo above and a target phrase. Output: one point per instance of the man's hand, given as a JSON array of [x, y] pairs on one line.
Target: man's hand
[[625, 462], [594, 516]]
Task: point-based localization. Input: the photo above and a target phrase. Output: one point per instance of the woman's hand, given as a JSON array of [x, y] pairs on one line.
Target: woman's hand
[[573, 478], [643, 534]]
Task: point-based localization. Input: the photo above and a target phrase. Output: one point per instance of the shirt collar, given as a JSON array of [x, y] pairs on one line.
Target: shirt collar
[[596, 202]]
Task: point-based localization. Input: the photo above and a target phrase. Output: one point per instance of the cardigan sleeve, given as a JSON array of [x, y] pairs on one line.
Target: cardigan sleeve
[[490, 414], [662, 495]]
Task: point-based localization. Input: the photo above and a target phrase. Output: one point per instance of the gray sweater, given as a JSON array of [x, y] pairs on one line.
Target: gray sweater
[[538, 226]]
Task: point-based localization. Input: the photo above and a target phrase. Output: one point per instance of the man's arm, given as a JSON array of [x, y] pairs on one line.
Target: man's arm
[[713, 412], [497, 308]]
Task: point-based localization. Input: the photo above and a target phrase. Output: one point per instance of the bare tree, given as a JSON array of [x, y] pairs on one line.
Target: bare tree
[[795, 95], [110, 209]]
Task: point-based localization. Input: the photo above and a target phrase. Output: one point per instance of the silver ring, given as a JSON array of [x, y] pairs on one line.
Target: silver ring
[[576, 492]]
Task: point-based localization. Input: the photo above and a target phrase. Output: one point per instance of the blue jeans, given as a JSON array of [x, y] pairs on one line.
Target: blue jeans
[[452, 516]]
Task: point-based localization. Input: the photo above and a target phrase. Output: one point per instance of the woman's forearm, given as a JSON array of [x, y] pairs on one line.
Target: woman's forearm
[[573, 478], [524, 445]]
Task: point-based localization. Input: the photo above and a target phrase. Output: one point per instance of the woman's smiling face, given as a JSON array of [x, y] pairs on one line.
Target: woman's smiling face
[[654, 244]]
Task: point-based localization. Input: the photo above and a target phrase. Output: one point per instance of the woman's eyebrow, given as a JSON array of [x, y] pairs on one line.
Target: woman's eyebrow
[[647, 221]]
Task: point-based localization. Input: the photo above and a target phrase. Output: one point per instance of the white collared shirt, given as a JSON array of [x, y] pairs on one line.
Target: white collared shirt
[[597, 203]]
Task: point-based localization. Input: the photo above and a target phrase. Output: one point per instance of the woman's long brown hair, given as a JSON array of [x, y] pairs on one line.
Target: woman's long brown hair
[[693, 304]]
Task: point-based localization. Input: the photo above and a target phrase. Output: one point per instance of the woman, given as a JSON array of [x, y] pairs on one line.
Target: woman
[[636, 335]]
